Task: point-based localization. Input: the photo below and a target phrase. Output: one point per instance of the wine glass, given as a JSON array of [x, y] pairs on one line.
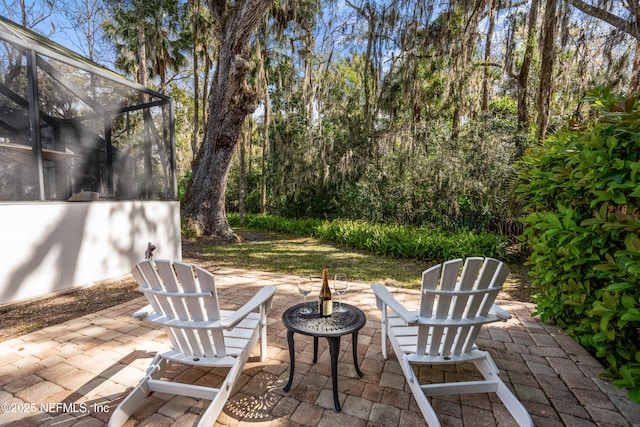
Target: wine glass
[[340, 285], [305, 286]]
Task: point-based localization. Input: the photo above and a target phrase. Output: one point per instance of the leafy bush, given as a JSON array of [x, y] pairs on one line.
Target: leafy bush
[[183, 183], [583, 226], [429, 244]]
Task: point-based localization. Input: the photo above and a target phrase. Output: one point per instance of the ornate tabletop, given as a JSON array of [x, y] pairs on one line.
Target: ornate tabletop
[[338, 324]]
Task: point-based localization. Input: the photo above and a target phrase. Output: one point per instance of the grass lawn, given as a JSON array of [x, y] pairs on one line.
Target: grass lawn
[[298, 255]]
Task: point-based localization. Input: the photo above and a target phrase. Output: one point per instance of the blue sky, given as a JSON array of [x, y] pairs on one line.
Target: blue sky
[[58, 20]]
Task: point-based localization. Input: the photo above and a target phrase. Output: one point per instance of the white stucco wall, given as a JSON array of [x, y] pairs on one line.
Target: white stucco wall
[[49, 247]]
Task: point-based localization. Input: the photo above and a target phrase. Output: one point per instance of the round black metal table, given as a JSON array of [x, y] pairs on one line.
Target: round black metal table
[[332, 328]]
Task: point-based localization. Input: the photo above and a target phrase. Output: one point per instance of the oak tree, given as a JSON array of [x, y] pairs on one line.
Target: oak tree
[[231, 100]]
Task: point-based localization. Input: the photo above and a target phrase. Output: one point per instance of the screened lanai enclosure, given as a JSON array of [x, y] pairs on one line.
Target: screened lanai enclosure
[[69, 126], [87, 169]]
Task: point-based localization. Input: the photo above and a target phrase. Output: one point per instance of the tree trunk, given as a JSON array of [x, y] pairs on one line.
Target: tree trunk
[[368, 13], [245, 139], [546, 68], [634, 83], [196, 82], [463, 68], [263, 84], [523, 75], [487, 57], [230, 102]]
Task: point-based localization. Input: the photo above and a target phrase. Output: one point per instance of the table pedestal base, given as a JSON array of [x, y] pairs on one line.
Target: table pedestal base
[[334, 351]]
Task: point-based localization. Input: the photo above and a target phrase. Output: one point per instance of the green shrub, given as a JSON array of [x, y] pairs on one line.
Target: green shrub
[[429, 244], [583, 203], [183, 183]]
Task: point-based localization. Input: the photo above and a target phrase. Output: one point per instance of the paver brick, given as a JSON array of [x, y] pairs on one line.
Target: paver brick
[[332, 419], [500, 335], [399, 399], [20, 383], [541, 411], [127, 375], [38, 392], [307, 414], [512, 366], [35, 344], [352, 386], [502, 416], [490, 344], [445, 405], [373, 392], [158, 420], [358, 407], [571, 346], [590, 398], [574, 409], [51, 361], [384, 415], [571, 420], [476, 417], [543, 340], [69, 336], [58, 370], [579, 382], [284, 407], [373, 366], [531, 394], [541, 369], [325, 399], [522, 378], [556, 352], [73, 347], [177, 407], [20, 363], [394, 381], [513, 352], [591, 371]]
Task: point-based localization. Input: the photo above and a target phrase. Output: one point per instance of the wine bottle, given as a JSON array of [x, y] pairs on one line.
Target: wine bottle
[[325, 304]]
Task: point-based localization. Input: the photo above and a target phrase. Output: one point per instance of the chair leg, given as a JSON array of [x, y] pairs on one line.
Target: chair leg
[[421, 398], [215, 407], [490, 372], [129, 405], [158, 367], [213, 410], [515, 407], [385, 324], [263, 334]]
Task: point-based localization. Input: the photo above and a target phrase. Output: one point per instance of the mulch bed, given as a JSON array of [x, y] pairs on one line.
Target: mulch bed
[[20, 319]]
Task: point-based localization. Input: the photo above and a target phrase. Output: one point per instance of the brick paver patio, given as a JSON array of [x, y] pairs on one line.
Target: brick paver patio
[[73, 374]]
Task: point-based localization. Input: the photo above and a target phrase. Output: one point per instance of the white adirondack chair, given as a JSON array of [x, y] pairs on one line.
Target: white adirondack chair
[[453, 307], [201, 334]]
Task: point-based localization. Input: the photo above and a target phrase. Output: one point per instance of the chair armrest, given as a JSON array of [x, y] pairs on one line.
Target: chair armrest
[[143, 312], [263, 297], [500, 312], [383, 295]]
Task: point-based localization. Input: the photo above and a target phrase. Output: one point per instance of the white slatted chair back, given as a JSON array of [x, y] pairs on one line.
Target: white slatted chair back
[[454, 304], [186, 303]]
